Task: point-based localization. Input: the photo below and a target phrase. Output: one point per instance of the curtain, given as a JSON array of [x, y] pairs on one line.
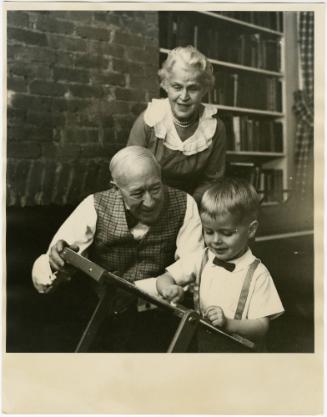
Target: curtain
[[304, 109]]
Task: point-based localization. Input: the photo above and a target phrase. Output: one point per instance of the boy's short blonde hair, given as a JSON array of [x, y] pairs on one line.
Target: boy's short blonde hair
[[231, 195]]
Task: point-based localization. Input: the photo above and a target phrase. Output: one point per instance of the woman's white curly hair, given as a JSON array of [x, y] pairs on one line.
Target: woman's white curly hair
[[190, 57]]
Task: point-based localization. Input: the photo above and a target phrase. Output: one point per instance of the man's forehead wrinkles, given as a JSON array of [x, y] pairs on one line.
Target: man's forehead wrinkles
[[221, 229], [143, 185], [136, 188], [188, 83]]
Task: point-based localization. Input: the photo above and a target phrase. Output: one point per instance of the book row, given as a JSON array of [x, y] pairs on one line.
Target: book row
[[257, 135], [267, 182], [249, 49], [253, 50], [270, 20], [247, 91]]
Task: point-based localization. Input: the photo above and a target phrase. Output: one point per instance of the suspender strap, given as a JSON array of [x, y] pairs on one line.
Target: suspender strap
[[196, 288], [245, 290]]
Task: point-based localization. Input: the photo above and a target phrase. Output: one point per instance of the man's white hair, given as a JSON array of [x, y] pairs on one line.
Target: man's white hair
[[129, 157]]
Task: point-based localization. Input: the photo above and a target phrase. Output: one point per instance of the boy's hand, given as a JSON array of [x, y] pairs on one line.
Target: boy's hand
[[173, 293], [216, 316]]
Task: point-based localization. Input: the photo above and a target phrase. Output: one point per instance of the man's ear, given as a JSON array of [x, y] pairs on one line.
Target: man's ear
[[205, 91], [114, 184], [253, 226], [164, 86]]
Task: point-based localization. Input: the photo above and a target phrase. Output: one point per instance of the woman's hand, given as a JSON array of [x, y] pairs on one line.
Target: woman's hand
[[216, 316]]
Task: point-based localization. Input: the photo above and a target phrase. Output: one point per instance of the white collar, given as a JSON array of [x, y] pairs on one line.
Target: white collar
[[159, 116]]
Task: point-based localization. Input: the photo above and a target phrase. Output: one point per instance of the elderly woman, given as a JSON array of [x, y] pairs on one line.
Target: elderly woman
[[186, 136]]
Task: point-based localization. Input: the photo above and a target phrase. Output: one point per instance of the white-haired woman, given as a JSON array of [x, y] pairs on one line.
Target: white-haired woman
[[186, 136]]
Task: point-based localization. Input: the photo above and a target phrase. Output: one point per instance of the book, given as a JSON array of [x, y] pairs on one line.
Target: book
[[172, 32], [254, 56], [279, 101], [256, 135], [244, 133], [280, 22], [271, 182], [250, 135], [271, 94], [228, 122], [184, 31], [272, 54], [278, 185], [195, 36], [212, 42], [248, 171], [235, 89], [278, 137], [236, 122], [219, 96], [163, 30]]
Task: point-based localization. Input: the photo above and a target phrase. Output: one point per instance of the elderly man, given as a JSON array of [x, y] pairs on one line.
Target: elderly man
[[136, 228]]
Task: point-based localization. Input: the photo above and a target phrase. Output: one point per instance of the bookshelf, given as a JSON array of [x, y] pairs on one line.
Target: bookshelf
[[247, 50]]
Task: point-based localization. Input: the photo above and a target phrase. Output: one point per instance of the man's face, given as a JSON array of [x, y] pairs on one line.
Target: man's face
[[142, 191]]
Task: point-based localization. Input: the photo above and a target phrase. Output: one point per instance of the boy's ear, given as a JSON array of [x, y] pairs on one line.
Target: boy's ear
[[253, 226]]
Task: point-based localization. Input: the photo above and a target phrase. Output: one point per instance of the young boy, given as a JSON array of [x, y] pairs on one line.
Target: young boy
[[232, 289]]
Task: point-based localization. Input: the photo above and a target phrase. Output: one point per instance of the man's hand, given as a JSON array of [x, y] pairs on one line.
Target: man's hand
[[216, 316], [173, 293], [57, 263], [45, 280]]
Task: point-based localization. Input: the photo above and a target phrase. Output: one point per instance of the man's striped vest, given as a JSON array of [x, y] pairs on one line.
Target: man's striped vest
[[114, 247]]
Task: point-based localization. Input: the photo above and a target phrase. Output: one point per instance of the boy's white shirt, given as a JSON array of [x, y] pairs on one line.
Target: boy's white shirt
[[222, 288]]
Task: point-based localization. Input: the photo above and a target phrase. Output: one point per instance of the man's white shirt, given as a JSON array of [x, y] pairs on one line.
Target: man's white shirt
[[79, 229]]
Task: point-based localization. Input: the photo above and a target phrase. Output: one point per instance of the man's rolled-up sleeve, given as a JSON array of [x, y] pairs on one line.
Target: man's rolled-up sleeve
[[186, 269], [147, 285], [189, 239], [78, 229]]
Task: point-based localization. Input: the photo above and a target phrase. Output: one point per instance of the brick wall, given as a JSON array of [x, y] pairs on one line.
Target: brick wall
[[76, 82]]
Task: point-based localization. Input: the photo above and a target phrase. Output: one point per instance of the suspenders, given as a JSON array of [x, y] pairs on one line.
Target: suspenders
[[244, 292], [196, 293]]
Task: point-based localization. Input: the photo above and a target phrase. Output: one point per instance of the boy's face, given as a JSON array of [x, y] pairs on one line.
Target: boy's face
[[226, 236]]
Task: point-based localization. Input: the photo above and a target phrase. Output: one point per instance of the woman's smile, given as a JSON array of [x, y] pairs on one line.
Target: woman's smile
[[185, 91]]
